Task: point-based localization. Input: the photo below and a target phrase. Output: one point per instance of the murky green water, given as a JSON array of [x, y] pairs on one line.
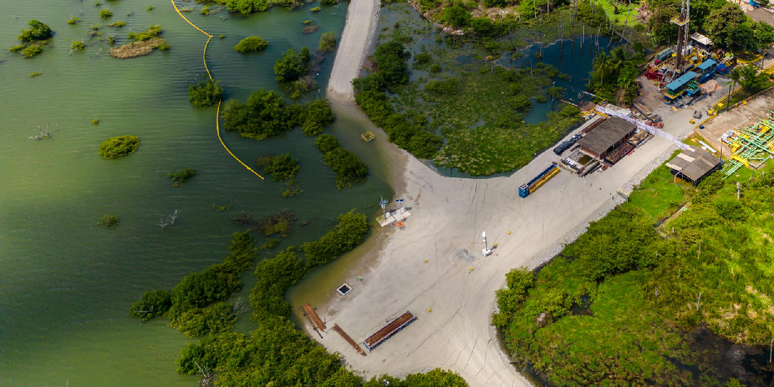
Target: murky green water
[[66, 283]]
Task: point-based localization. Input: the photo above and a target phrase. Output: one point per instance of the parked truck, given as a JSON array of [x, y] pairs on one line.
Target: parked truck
[[527, 189]]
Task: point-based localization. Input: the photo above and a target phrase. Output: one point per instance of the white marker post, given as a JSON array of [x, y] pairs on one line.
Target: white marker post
[[486, 251]]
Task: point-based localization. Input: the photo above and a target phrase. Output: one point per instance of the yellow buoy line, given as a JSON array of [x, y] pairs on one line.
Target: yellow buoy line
[[217, 115]]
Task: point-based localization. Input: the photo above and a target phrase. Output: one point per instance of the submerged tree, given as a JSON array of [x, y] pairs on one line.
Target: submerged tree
[[205, 93]]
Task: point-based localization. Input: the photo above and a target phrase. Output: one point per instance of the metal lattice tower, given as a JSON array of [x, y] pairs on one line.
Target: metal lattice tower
[[682, 23]]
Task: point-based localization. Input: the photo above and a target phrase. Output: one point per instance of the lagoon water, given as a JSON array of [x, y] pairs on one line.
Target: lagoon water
[[66, 283]]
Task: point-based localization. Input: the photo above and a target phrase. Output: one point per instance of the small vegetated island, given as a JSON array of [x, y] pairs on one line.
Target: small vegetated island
[[117, 147], [251, 44], [282, 168], [144, 44], [275, 353], [33, 39], [346, 164], [181, 176], [205, 93], [266, 114]]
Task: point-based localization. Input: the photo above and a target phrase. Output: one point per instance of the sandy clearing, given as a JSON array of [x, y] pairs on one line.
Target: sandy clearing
[[448, 215], [362, 17]]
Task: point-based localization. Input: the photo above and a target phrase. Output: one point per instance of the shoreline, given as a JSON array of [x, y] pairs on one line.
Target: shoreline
[[356, 39]]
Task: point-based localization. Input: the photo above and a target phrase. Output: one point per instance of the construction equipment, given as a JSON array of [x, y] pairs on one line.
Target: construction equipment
[[533, 185]]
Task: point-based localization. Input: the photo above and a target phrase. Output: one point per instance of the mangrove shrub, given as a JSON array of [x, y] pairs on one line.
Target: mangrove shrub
[[117, 147], [292, 65], [205, 93], [281, 167], [346, 164], [251, 44], [32, 39], [38, 31], [327, 42], [350, 232], [265, 114], [182, 175], [153, 303]]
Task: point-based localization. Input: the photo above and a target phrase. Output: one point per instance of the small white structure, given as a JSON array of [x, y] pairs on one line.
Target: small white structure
[[486, 251]]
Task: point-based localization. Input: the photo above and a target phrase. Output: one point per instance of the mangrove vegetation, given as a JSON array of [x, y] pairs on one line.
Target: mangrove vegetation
[[120, 146], [181, 176], [251, 44], [266, 114], [205, 93], [275, 353], [348, 167], [33, 39]]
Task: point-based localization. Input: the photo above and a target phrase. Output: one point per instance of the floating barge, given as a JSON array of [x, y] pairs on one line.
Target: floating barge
[[388, 330]]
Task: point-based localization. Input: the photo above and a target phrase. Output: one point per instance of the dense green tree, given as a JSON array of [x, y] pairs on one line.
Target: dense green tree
[[327, 42], [205, 93], [265, 114], [348, 233], [456, 16], [623, 241], [318, 115], [753, 80], [198, 290], [281, 168], [37, 31], [251, 44], [723, 24], [275, 276], [117, 147], [734, 76], [764, 34], [390, 59], [216, 318], [326, 143], [346, 164], [182, 175], [153, 303], [292, 65], [246, 7]]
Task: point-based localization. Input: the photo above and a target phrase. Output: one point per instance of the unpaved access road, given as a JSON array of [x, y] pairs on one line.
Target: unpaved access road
[[362, 17]]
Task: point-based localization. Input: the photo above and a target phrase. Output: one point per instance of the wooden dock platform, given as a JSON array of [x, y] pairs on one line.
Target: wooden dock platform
[[348, 339], [388, 330], [313, 317]]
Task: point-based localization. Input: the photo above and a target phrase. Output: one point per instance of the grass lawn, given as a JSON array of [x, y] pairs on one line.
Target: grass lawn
[[620, 17], [658, 195]]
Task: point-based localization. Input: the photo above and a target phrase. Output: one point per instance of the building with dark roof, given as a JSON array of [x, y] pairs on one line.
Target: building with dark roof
[[694, 164], [603, 139]]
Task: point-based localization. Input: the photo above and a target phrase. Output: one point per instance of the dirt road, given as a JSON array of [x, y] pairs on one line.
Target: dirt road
[[362, 16]]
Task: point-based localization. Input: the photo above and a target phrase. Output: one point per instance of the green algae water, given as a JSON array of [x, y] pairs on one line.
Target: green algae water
[[66, 283]]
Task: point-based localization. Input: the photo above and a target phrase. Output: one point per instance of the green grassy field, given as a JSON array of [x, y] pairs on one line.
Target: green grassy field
[[620, 18]]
